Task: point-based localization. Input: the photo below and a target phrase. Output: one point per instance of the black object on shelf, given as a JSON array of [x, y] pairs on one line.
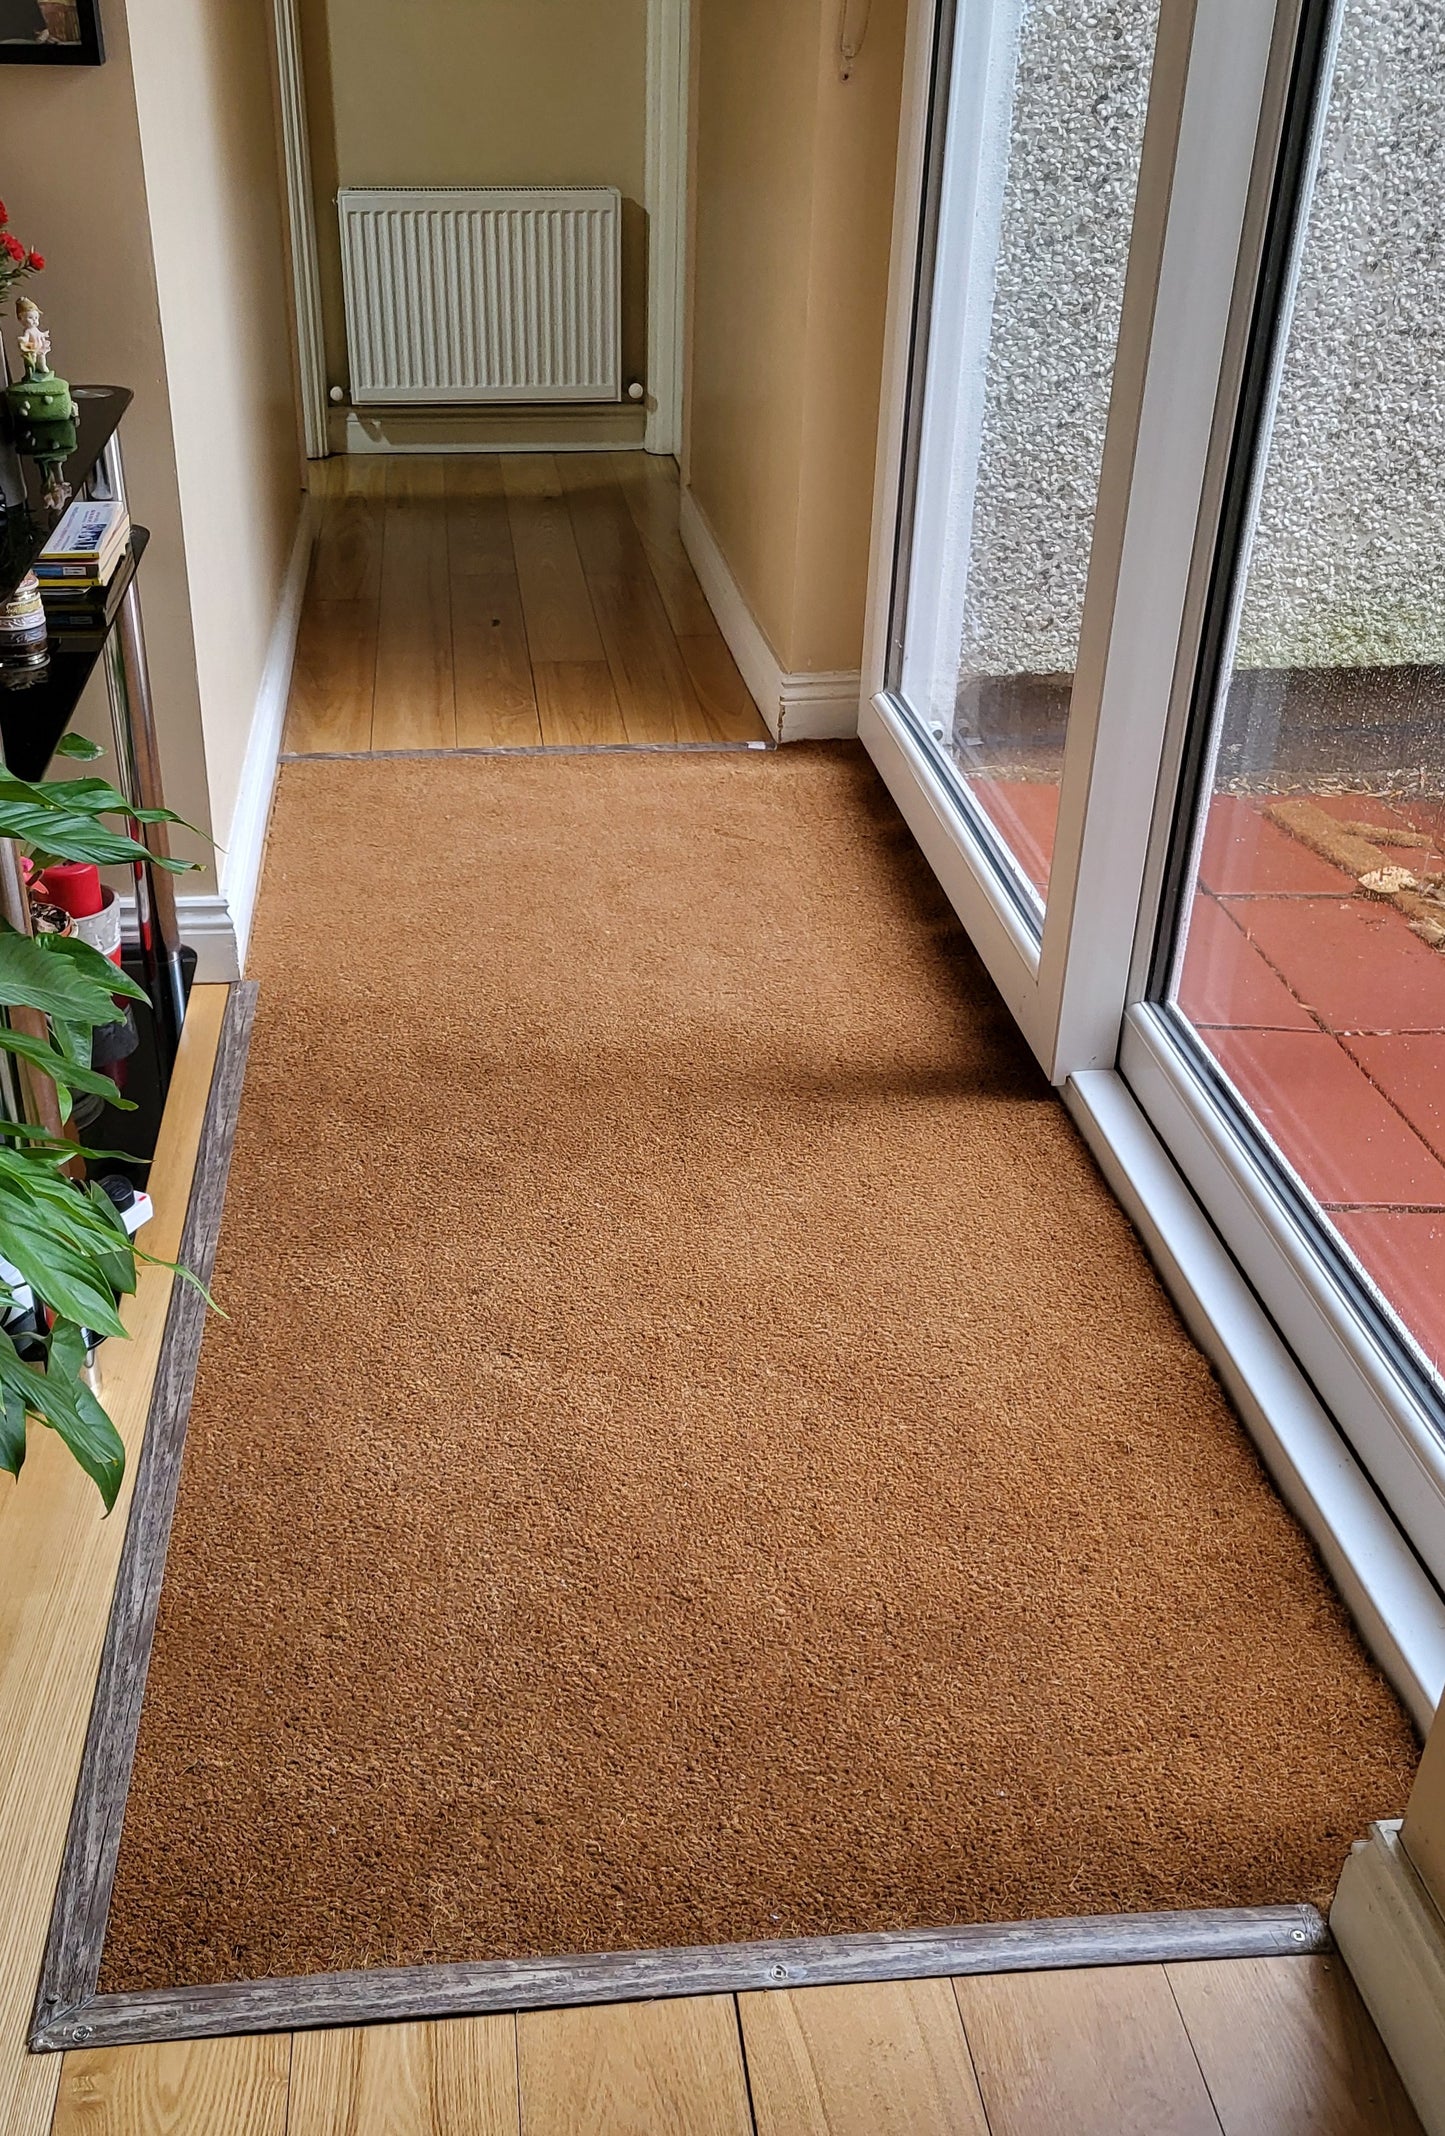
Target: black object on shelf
[[27, 521], [145, 1085], [36, 486], [34, 715]]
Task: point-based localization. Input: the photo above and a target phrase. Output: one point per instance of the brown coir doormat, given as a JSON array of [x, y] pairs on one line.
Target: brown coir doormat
[[696, 1453]]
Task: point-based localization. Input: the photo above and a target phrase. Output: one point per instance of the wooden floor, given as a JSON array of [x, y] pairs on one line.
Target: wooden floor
[[397, 657], [508, 600], [1263, 2047]]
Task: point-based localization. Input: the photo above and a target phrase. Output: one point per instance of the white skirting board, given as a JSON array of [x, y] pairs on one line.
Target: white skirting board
[[460, 430], [218, 925], [797, 708], [1391, 1935], [1400, 1615]]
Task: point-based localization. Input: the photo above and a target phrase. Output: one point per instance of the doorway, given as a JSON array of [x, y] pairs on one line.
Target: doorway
[[530, 100], [1156, 674]]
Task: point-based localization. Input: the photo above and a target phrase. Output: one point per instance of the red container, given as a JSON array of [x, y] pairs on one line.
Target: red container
[[74, 885]]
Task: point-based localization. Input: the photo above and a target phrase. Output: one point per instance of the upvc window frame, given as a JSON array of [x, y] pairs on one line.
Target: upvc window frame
[[1349, 1343], [1067, 982], [1226, 77]]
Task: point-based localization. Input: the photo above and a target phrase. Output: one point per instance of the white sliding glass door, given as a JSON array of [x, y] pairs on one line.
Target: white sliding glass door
[[1156, 667], [1290, 1035], [1037, 308]]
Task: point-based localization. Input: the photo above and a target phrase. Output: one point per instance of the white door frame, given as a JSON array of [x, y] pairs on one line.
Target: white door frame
[[665, 202], [669, 38], [301, 228]]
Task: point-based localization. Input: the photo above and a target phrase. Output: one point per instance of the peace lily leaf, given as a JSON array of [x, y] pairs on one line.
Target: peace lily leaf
[[60, 1069], [66, 1245], [119, 1262], [183, 1274], [74, 1040], [61, 1399], [63, 1274], [76, 837], [55, 1149], [12, 1428], [63, 816], [95, 965], [35, 978], [54, 1197], [97, 797]]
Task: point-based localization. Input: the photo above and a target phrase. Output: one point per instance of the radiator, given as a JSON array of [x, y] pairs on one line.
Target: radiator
[[504, 295]]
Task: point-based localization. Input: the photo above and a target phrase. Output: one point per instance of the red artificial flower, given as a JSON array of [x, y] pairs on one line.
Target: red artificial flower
[[36, 260], [4, 215], [15, 249]]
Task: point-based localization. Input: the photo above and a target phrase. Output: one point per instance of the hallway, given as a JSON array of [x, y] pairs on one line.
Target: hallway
[[1224, 2048], [1261, 2047], [507, 601]]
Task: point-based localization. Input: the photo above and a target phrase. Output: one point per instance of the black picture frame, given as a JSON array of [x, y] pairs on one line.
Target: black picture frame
[[85, 49]]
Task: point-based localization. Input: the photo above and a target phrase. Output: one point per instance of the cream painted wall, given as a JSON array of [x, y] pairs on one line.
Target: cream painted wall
[[480, 92], [791, 193], [754, 100], [166, 274], [855, 151], [99, 295], [216, 218]]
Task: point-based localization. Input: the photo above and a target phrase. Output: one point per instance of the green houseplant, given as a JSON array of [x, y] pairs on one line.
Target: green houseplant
[[63, 1239]]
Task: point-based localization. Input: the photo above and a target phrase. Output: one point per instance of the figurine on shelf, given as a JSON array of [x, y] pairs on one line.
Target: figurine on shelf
[[17, 263], [39, 397]]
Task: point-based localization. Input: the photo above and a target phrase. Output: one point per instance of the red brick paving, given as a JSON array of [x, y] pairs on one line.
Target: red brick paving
[[1326, 1013]]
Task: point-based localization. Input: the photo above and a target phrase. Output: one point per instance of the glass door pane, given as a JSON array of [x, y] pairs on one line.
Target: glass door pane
[[1044, 139], [1308, 953]]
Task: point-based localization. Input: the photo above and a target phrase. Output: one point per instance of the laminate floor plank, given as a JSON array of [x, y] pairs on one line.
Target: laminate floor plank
[[333, 681], [634, 2069], [1288, 2049], [1098, 2052], [532, 474], [727, 708], [654, 690], [478, 527], [347, 562], [606, 534], [496, 698], [650, 485], [860, 2061], [561, 626], [348, 474], [413, 476], [415, 706], [458, 2078], [228, 2087], [496, 701], [577, 704]]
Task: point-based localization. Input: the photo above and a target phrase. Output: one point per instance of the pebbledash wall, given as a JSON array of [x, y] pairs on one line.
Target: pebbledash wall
[[1345, 568]]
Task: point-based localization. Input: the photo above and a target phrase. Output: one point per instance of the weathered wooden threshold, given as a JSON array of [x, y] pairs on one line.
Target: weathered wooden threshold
[[87, 1875], [439, 1991], [526, 749], [68, 2011]]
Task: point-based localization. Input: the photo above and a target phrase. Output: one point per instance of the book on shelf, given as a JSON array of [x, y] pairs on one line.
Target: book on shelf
[[84, 548]]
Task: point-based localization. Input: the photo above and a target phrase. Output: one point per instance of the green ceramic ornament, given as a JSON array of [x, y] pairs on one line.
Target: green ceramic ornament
[[39, 397]]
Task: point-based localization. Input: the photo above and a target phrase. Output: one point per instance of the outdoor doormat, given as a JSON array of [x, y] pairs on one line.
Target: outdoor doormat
[[699, 1486]]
